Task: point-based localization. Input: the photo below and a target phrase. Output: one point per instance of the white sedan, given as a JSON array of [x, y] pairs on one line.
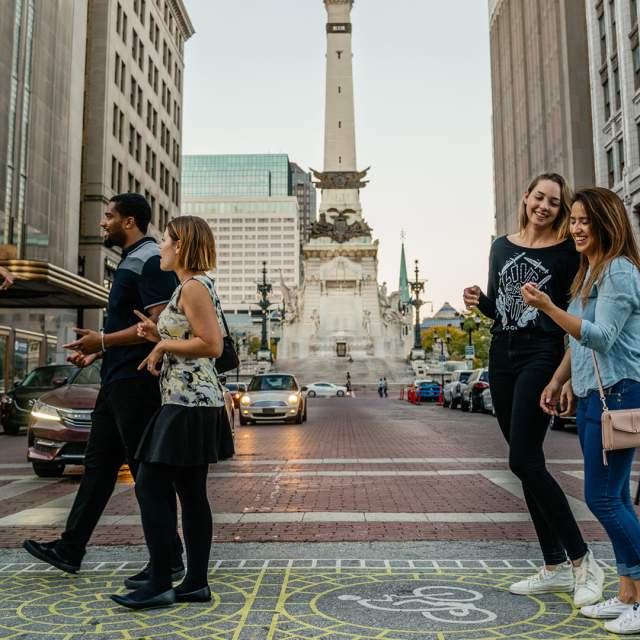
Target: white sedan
[[325, 389]]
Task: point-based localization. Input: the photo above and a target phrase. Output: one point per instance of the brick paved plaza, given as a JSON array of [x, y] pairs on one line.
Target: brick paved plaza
[[371, 501]]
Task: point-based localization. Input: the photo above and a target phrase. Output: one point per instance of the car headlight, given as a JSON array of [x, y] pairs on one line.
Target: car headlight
[[44, 411], [236, 396], [245, 400], [293, 399]]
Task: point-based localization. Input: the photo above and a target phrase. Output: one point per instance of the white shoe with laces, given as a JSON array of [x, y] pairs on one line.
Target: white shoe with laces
[[559, 580], [589, 582], [627, 623], [607, 610]]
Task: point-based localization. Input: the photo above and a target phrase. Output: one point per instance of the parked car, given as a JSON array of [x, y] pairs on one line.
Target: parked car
[[472, 394], [452, 393], [325, 389], [273, 397], [237, 390], [487, 401], [16, 405], [60, 423], [427, 390], [560, 423]]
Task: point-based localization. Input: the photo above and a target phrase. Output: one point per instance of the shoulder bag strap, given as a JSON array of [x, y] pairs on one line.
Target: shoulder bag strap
[[603, 398], [216, 302]]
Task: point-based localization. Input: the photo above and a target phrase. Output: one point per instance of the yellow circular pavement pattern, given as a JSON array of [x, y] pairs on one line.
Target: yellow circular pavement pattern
[[292, 603]]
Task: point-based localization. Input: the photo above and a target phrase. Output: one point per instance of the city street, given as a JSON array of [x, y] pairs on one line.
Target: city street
[[356, 524]]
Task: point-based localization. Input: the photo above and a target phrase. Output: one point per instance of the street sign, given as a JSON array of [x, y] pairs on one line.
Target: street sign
[[469, 351]]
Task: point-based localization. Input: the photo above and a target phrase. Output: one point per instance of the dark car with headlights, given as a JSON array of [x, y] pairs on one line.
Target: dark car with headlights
[[16, 405], [237, 390], [60, 423]]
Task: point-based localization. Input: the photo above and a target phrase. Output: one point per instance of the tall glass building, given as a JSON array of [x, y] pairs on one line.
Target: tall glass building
[[263, 176], [253, 209]]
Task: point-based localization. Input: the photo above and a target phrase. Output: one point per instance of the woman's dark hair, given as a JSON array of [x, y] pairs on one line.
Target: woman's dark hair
[[133, 205], [611, 232]]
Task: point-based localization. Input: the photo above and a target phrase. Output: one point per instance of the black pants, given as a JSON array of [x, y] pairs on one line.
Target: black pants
[[156, 488], [122, 411], [520, 367]]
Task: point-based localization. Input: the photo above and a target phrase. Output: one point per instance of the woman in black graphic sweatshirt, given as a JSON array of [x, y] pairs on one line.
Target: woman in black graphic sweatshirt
[[526, 348]]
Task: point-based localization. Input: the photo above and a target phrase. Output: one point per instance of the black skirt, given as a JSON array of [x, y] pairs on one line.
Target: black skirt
[[186, 436]]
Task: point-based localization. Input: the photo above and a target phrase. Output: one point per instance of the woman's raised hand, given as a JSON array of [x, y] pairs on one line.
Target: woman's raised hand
[[471, 296], [147, 328]]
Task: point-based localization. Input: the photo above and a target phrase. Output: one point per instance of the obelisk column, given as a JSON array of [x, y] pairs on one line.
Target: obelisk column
[[339, 126]]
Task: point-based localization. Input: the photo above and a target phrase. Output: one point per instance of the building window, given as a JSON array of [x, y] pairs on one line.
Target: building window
[[633, 10], [635, 54], [610, 170], [339, 54], [620, 158], [614, 35], [606, 97], [603, 38], [616, 88], [339, 89], [339, 124]]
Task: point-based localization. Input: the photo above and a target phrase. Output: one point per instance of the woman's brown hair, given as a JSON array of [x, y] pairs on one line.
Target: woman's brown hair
[[612, 234], [197, 244], [561, 223]]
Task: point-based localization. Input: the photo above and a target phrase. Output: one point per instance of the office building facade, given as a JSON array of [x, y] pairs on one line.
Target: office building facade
[[541, 98], [248, 202], [133, 117], [614, 67]]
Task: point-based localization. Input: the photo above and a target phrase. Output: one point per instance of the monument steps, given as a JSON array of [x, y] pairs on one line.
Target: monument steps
[[363, 371]]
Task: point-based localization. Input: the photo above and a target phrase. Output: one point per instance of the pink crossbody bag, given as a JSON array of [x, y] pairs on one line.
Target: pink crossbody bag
[[620, 427]]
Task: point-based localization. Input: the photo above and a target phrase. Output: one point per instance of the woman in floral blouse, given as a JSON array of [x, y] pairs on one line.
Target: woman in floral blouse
[[189, 431]]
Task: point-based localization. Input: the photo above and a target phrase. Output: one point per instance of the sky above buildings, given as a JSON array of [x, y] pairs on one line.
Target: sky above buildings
[[254, 83]]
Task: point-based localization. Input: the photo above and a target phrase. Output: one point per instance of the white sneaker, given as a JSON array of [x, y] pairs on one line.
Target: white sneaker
[[612, 608], [559, 580], [589, 582], [627, 623]]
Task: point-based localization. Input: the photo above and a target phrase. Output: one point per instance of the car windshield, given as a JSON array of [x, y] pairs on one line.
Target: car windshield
[[484, 376], [273, 383], [45, 376], [88, 375], [464, 376], [232, 386]]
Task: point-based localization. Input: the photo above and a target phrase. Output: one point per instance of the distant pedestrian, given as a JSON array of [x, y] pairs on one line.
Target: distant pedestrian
[[348, 385], [385, 388], [526, 348], [603, 320], [190, 430], [381, 387]]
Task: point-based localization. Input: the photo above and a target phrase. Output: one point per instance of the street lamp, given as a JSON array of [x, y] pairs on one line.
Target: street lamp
[[417, 287], [264, 303], [471, 324]]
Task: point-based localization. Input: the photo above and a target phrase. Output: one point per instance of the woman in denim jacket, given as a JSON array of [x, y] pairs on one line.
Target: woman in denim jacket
[[604, 316]]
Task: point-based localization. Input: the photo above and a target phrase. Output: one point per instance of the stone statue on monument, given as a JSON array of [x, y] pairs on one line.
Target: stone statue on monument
[[315, 317], [366, 321], [290, 297]]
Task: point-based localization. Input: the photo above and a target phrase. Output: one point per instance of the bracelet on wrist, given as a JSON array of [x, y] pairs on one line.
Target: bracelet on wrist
[[104, 347]]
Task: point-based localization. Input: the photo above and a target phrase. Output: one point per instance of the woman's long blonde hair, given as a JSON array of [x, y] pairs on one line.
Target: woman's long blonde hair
[[561, 223], [612, 234]]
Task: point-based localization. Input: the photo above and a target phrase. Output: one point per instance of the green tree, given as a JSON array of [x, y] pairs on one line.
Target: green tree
[[254, 344], [459, 338]]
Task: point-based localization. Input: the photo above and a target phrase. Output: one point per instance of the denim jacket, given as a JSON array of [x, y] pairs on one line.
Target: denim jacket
[[611, 327]]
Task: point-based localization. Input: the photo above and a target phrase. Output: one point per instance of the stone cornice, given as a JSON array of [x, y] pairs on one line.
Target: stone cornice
[[182, 17]]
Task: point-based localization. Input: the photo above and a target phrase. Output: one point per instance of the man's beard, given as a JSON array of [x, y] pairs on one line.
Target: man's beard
[[114, 239]]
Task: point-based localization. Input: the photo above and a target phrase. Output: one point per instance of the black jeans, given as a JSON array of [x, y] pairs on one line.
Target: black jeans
[[156, 492], [123, 409], [521, 364]]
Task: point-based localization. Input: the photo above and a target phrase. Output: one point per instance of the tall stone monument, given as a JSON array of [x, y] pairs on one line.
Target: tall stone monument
[[340, 311]]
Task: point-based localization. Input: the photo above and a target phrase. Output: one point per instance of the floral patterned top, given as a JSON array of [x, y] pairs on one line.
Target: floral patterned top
[[188, 381]]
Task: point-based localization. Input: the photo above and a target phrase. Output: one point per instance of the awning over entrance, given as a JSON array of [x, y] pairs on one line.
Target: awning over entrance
[[43, 285]]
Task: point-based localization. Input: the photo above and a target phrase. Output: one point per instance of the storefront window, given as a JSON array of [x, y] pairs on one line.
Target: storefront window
[[27, 357], [3, 352]]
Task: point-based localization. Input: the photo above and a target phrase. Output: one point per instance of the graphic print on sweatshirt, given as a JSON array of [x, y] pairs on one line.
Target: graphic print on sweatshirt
[[516, 272]]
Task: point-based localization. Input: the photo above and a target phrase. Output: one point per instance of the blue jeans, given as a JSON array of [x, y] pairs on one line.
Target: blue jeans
[[606, 488]]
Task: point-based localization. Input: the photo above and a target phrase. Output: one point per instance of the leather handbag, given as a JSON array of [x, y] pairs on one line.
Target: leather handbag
[[228, 359], [620, 427]]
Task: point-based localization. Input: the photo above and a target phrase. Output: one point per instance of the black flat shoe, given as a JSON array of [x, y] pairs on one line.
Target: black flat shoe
[[137, 600], [142, 578], [47, 553], [199, 595]]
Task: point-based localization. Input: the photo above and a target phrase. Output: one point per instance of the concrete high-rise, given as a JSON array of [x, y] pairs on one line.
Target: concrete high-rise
[[133, 116], [614, 67], [541, 98], [42, 77]]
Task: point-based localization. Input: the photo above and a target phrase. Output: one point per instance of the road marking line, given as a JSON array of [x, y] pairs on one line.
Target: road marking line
[[23, 485]]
